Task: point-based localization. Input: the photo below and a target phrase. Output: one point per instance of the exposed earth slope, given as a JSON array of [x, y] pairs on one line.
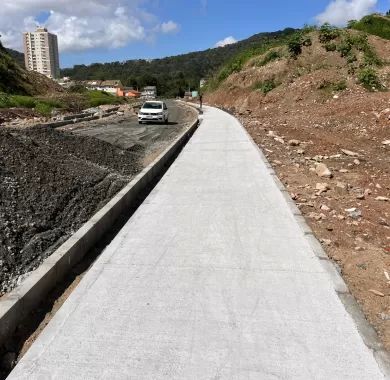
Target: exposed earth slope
[[327, 106]]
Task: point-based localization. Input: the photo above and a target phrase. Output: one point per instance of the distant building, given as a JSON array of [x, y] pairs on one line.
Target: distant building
[[41, 52], [129, 92], [113, 87], [149, 92]]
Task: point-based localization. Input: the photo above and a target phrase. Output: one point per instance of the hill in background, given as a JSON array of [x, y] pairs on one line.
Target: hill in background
[[173, 75]]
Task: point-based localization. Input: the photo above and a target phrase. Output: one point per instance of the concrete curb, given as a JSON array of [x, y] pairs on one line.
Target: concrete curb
[[16, 305], [366, 331]]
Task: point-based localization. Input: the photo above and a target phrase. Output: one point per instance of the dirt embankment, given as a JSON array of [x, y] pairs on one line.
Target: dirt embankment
[[50, 183], [303, 125]]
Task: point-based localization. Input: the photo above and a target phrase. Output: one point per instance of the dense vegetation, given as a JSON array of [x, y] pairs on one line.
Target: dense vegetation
[[17, 56], [173, 75], [373, 24], [13, 78]]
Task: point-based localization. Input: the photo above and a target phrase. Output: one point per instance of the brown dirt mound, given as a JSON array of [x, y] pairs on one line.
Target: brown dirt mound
[[50, 184]]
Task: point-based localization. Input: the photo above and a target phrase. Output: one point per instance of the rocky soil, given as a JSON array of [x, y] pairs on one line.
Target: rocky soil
[[50, 183], [335, 163], [331, 149]]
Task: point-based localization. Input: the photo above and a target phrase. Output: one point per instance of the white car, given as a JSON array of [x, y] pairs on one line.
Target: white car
[[153, 111]]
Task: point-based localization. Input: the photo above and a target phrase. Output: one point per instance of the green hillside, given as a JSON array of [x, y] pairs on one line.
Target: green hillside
[[17, 56], [375, 24], [13, 79], [172, 75]]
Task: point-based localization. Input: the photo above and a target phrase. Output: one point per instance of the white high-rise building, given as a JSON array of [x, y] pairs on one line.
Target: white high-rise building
[[41, 52]]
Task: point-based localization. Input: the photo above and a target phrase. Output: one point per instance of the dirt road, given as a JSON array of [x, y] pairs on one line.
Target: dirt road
[[52, 181], [128, 134]]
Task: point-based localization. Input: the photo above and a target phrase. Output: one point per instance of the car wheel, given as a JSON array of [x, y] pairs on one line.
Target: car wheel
[[166, 121], [140, 122]]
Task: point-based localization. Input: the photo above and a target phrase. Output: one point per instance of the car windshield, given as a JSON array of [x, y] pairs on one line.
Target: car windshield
[[153, 106]]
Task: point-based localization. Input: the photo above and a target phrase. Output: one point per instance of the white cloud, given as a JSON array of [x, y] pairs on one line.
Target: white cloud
[[82, 24], [169, 27], [226, 41], [339, 12]]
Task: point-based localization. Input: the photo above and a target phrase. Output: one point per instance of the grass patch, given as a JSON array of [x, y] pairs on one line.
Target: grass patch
[[99, 98], [45, 106], [41, 105]]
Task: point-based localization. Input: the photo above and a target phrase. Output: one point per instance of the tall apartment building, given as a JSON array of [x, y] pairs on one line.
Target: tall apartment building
[[41, 52]]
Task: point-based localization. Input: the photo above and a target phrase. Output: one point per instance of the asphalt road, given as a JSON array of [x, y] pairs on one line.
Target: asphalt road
[[126, 133], [212, 278]]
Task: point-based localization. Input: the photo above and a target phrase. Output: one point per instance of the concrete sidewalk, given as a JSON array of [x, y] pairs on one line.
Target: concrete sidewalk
[[212, 278]]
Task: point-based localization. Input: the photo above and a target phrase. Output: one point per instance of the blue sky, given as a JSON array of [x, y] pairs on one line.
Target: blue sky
[[130, 29]]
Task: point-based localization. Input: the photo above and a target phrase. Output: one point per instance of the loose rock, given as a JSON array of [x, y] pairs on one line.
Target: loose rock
[[350, 153], [354, 213], [323, 171], [382, 199], [294, 142]]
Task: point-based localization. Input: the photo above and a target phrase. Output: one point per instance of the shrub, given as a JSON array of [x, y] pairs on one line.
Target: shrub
[[344, 49], [330, 46], [340, 85], [369, 79], [265, 86], [351, 58], [44, 108], [294, 45], [328, 33]]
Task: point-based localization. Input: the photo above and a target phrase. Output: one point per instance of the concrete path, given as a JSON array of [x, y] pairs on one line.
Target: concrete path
[[212, 278]]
